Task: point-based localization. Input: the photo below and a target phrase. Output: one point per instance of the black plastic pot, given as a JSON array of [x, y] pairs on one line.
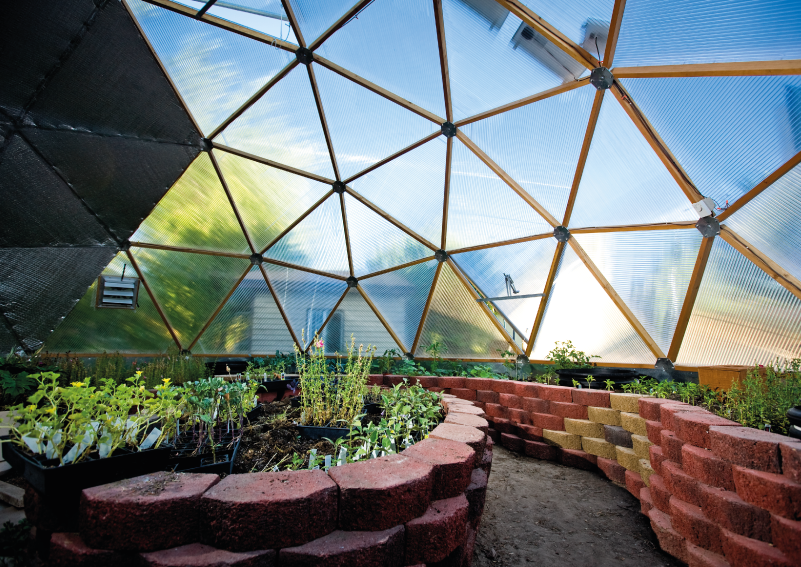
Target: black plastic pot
[[372, 408], [186, 457], [332, 433], [619, 376], [794, 415]]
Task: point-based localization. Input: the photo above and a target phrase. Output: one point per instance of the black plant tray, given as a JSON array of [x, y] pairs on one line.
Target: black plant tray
[[600, 376], [314, 432], [372, 408], [186, 458]]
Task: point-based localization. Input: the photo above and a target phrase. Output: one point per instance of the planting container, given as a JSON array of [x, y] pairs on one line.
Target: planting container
[[721, 377], [332, 433], [620, 376], [186, 457]]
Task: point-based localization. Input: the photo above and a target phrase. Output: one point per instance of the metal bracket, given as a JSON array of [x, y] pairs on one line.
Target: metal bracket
[[304, 55], [709, 227], [338, 187], [206, 145], [601, 78], [256, 259], [664, 364], [125, 245], [522, 359], [441, 255], [408, 356], [448, 129], [352, 282], [561, 234]]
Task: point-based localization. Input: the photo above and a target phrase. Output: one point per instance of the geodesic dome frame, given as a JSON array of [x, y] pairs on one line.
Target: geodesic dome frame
[[398, 159]]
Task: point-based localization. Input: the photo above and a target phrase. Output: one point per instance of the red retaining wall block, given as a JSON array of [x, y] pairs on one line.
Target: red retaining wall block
[[649, 407], [791, 461], [512, 442], [634, 483], [667, 411], [504, 386], [659, 493], [486, 460], [555, 393], [646, 503], [571, 410], [653, 429], [469, 435], [494, 435], [395, 379], [541, 451], [495, 410], [245, 512], [734, 514], [693, 427], [526, 389], [504, 425], [612, 470], [770, 491], [745, 552], [698, 557], [669, 539], [671, 446], [529, 432], [468, 420], [69, 550], [478, 383], [476, 494], [376, 380], [434, 535], [510, 401], [452, 461], [199, 555], [464, 393], [121, 515], [656, 456], [747, 447], [488, 397], [519, 416], [786, 535], [378, 494], [469, 548], [690, 522], [547, 421], [348, 549], [595, 398], [436, 389], [424, 381], [450, 382], [536, 405], [465, 408], [578, 459], [680, 484], [706, 467]]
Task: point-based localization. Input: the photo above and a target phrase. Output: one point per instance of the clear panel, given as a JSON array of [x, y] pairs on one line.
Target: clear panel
[[354, 319], [493, 58], [314, 17], [457, 321], [624, 182], [250, 323], [728, 133], [482, 208], [741, 315], [317, 242], [583, 21], [655, 32], [770, 221], [189, 287], [90, 330], [195, 213], [375, 243], [411, 188], [579, 310], [307, 298], [364, 126], [214, 70], [539, 144], [266, 16], [401, 296], [650, 270], [394, 45], [528, 264], [283, 126], [268, 199]]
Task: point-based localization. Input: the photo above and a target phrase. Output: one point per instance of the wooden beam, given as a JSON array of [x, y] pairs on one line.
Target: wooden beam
[[483, 306], [396, 268], [188, 250], [447, 196], [219, 308], [426, 308], [381, 91], [304, 269], [280, 307], [614, 32], [689, 297], [613, 295], [502, 243], [736, 69], [388, 159], [297, 221], [566, 87], [553, 35], [346, 17], [139, 273], [681, 225], [761, 260], [657, 144], [326, 132], [384, 322], [764, 184], [293, 21], [233, 204], [550, 219], [271, 163], [595, 111], [347, 233], [535, 328], [443, 59]]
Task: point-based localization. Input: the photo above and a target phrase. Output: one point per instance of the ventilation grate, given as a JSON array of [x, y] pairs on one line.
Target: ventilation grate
[[114, 292]]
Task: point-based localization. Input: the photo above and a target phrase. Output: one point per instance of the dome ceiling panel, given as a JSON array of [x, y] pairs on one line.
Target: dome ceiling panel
[[215, 70], [315, 17], [624, 182], [283, 126], [355, 320], [265, 16], [582, 21]]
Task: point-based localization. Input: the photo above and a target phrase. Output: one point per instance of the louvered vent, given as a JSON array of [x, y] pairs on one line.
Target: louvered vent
[[114, 292]]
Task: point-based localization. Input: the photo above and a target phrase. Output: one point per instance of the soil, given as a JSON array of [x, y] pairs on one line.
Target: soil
[[541, 513]]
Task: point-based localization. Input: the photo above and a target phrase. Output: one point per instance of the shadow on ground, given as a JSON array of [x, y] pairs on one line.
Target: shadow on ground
[[541, 513]]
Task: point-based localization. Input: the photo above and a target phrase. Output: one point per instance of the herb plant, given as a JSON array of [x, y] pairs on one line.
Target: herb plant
[[564, 355]]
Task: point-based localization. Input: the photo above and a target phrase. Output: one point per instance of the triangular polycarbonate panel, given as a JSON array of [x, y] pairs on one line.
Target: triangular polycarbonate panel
[[458, 323], [355, 321], [283, 126], [769, 221], [411, 188], [195, 213], [250, 323], [579, 310], [650, 271], [375, 243], [527, 264], [714, 31], [586, 22], [741, 315], [365, 127], [315, 17], [400, 296], [744, 130], [539, 144], [188, 287], [265, 16], [214, 70], [494, 58], [307, 299], [624, 182], [88, 329], [317, 242], [268, 199], [482, 208], [394, 45]]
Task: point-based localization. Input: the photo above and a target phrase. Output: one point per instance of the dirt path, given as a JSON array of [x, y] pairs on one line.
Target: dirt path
[[541, 513]]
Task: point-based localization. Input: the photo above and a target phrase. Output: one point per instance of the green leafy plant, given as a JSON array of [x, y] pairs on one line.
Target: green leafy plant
[[435, 351], [610, 384], [387, 360], [564, 355], [14, 538]]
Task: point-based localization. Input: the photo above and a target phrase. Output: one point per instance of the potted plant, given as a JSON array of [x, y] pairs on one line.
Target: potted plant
[[574, 368]]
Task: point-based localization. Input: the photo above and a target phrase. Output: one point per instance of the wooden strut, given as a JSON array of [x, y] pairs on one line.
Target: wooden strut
[[326, 132], [346, 17], [690, 297], [535, 328], [388, 159], [582, 159], [188, 250], [347, 233], [501, 243], [297, 221], [139, 273], [280, 307], [233, 203], [447, 195], [483, 306], [384, 322], [396, 268], [680, 225], [426, 308], [304, 269], [275, 164], [443, 60], [735, 69], [219, 308], [293, 21], [614, 33], [327, 319]]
